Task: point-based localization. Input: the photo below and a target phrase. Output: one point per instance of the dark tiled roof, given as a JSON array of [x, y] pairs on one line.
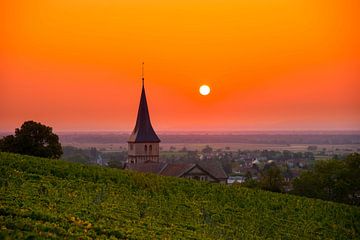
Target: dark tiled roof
[[214, 168], [177, 169], [143, 131], [146, 167]]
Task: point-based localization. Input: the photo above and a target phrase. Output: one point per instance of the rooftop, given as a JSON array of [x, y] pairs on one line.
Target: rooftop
[[143, 131]]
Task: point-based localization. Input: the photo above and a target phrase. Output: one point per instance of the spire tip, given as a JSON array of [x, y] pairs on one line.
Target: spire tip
[[142, 73]]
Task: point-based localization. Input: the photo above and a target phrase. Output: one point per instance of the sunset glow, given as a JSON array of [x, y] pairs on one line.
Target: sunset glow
[[275, 65]]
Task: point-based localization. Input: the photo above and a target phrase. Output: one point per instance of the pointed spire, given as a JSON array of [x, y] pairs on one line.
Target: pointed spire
[[143, 131], [142, 74]]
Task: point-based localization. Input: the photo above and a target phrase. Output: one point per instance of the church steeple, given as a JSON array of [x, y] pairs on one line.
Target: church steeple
[[143, 141], [143, 131]]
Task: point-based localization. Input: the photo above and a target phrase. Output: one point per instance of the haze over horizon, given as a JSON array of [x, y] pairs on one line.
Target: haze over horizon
[[271, 65]]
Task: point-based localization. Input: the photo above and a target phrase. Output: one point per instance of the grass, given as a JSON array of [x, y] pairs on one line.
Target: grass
[[53, 199]]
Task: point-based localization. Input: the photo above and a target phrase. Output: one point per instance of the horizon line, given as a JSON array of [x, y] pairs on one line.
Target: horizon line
[[206, 131]]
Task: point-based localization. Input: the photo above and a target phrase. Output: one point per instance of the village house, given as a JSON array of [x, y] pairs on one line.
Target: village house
[[210, 172]]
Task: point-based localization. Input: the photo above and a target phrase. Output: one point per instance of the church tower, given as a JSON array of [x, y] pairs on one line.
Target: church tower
[[143, 144]]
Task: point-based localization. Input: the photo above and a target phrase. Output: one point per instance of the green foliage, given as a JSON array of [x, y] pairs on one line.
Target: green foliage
[[33, 139], [47, 199], [250, 182], [334, 180], [8, 144], [79, 155], [272, 179]]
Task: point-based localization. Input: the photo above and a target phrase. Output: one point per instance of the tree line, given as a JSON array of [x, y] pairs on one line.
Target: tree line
[[332, 180]]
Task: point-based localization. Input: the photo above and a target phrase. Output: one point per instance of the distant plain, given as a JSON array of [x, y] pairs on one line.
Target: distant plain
[[336, 142]]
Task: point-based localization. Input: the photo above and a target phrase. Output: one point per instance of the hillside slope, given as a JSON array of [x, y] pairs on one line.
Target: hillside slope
[[56, 199]]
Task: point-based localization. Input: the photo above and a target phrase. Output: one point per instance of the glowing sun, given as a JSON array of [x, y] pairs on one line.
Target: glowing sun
[[204, 90]]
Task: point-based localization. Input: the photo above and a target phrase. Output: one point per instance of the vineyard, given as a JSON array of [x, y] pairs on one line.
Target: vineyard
[[52, 199]]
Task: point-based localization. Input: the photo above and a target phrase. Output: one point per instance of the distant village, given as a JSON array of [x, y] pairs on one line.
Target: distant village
[[236, 166], [144, 154]]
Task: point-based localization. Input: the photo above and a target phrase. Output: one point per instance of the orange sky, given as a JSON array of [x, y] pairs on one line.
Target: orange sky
[[272, 65]]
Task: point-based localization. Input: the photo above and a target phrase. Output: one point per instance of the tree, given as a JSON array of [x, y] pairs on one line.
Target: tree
[[184, 149], [352, 162], [333, 180], [207, 150], [248, 176], [272, 179], [34, 139], [249, 182], [7, 144], [312, 148]]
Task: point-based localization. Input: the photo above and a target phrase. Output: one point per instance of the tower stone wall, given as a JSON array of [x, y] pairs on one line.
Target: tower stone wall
[[143, 152]]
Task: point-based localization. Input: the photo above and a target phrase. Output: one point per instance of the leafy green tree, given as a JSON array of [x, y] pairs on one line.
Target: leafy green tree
[[7, 144], [333, 180], [272, 179], [116, 164], [352, 163], [249, 182], [33, 139], [248, 176]]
